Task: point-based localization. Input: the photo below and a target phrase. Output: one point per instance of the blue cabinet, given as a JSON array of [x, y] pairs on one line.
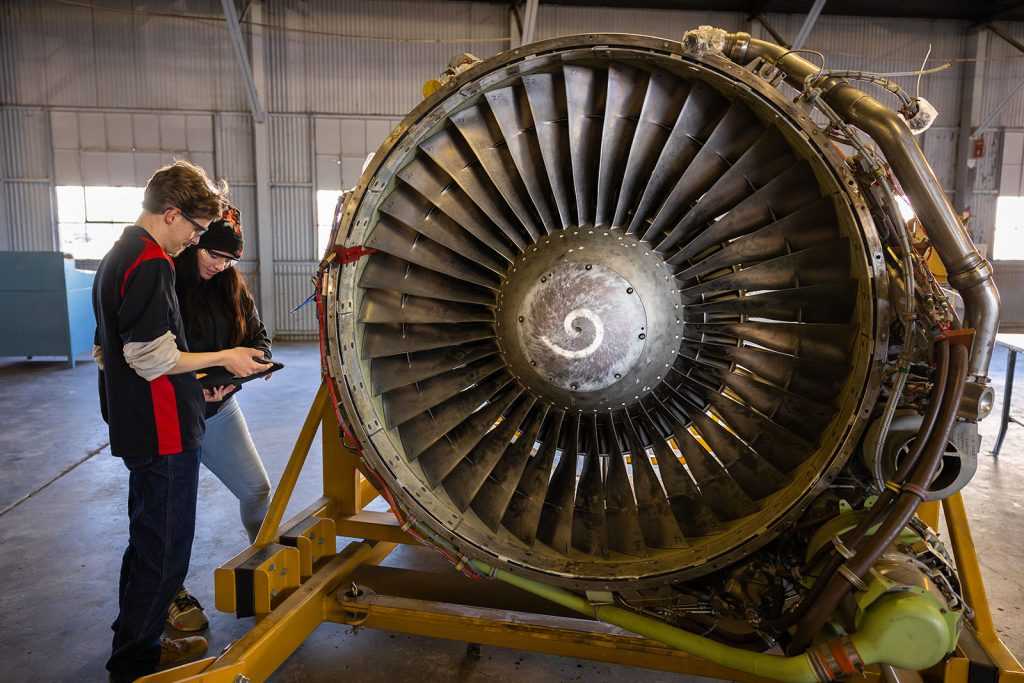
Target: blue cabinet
[[45, 306]]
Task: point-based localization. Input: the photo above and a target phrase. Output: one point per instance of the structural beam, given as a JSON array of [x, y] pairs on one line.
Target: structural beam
[[991, 116], [238, 42], [809, 21], [776, 36], [529, 31]]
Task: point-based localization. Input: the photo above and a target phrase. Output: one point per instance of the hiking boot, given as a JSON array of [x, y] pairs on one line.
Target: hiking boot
[[186, 614], [174, 651]]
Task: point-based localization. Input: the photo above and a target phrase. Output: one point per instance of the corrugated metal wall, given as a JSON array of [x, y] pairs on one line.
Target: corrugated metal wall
[[117, 55], [563, 20], [26, 172], [92, 95], [357, 57]]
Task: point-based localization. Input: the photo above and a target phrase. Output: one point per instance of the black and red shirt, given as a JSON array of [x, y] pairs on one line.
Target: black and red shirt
[[134, 300]]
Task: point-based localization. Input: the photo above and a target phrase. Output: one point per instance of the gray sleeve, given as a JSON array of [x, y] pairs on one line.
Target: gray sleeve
[[153, 358]]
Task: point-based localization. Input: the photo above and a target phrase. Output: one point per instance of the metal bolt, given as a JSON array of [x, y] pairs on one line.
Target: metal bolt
[[543, 279], [629, 290], [588, 266], [574, 386], [533, 363], [618, 376], [521, 319], [643, 336]]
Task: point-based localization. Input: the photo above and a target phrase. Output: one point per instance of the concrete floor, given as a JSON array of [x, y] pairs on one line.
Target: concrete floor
[[62, 544]]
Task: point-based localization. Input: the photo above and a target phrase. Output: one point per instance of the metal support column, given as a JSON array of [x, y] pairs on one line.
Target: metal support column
[[261, 155], [971, 101]]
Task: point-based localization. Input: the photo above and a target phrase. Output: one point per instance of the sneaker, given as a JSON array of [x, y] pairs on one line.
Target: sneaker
[[175, 651], [186, 614]]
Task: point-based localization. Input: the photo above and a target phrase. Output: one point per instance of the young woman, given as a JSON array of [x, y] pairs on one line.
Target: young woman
[[219, 313]]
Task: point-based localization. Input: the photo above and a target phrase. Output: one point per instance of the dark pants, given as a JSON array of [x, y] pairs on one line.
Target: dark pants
[[162, 516]]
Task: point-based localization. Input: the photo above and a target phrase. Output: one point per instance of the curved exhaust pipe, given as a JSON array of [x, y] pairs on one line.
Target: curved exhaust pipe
[[969, 272]]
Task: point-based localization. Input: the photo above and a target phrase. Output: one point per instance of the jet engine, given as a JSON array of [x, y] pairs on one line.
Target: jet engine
[[640, 320]]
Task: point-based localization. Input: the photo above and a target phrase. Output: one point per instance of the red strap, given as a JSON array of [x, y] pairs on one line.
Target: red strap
[[165, 414], [346, 255]]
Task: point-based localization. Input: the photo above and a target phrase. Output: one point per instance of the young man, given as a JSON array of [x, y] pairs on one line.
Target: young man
[[154, 407]]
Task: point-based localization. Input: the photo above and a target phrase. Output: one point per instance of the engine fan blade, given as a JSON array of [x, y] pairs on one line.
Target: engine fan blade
[[382, 306], [584, 97], [555, 527], [389, 273], [662, 104], [701, 112], [522, 518], [452, 155], [446, 216], [626, 89], [398, 240], [465, 480], [495, 495], [418, 434], [788, 207], [734, 134], [546, 95], [625, 531], [496, 161], [511, 110], [399, 371], [458, 442], [658, 526], [401, 405], [392, 340], [589, 525], [426, 194]]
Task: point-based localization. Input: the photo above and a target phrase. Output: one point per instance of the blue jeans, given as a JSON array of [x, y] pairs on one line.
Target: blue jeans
[[162, 522], [228, 452]]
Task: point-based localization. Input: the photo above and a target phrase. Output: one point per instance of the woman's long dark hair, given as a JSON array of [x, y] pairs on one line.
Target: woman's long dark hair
[[225, 291]]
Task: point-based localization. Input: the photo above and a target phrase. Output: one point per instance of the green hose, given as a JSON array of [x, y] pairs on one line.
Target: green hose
[[794, 669], [906, 629]]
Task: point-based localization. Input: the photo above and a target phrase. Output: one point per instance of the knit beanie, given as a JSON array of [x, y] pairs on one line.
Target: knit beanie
[[224, 234]]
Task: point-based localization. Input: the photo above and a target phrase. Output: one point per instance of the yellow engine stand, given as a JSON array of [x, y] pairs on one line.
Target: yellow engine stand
[[292, 579]]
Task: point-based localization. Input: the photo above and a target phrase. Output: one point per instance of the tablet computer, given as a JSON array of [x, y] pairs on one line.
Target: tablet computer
[[220, 376]]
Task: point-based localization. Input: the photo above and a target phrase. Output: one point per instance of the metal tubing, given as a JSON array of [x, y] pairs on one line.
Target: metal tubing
[[969, 272], [902, 509]]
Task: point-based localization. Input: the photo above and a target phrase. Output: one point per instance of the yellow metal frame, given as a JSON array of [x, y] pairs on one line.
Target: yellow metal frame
[[292, 580]]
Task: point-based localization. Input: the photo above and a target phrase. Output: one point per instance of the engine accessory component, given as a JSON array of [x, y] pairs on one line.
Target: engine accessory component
[[956, 468]]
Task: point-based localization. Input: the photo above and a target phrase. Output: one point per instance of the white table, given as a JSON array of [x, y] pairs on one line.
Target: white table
[[1014, 344]]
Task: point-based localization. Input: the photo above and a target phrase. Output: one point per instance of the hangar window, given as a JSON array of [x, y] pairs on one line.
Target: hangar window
[[1009, 239], [1008, 243], [326, 200], [90, 219]]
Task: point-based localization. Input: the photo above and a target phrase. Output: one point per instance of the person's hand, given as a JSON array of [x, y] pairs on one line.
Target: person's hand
[[242, 361], [218, 393]]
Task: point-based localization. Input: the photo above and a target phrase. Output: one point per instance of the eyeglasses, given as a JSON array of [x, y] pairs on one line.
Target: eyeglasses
[[200, 230], [228, 259]]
